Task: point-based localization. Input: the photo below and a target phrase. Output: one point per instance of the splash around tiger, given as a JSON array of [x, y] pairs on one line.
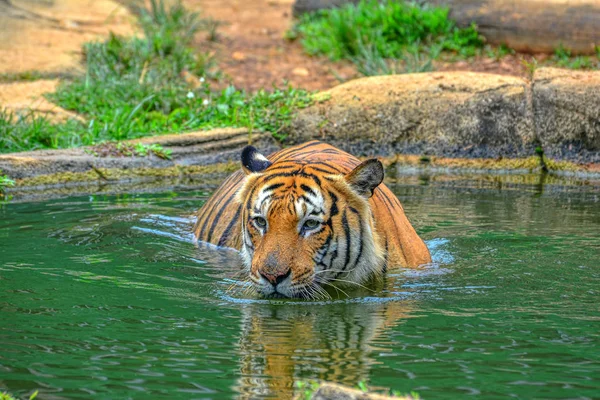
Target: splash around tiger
[[309, 216]]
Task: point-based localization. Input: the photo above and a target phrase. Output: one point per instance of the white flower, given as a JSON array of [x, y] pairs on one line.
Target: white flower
[[201, 79], [206, 102], [190, 95]]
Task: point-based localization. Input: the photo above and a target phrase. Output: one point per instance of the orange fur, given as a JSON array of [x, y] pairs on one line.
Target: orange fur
[[313, 165]]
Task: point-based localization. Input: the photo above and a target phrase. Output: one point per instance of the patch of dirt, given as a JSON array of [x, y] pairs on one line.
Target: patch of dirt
[[25, 97], [47, 36], [253, 52]]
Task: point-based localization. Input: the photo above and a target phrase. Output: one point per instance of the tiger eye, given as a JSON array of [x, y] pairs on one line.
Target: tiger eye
[[311, 224], [260, 222]]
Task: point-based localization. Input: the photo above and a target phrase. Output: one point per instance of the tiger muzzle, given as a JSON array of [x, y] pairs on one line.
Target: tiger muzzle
[[272, 269]]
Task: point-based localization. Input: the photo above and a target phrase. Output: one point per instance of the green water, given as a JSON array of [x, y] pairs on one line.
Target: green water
[[107, 297]]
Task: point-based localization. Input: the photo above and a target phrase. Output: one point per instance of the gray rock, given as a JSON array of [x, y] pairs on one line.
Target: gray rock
[[567, 113]]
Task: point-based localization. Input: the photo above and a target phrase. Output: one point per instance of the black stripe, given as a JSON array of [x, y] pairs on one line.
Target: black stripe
[[294, 150], [273, 187], [225, 236], [348, 241], [324, 171], [308, 189], [217, 218], [229, 192], [289, 174], [307, 200], [389, 208], [362, 241], [325, 246], [385, 263], [334, 209], [324, 164], [312, 176]]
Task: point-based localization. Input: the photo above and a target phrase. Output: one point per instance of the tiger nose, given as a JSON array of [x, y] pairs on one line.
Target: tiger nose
[[275, 278]]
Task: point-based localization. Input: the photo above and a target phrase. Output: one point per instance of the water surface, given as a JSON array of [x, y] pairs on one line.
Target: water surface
[[107, 297]]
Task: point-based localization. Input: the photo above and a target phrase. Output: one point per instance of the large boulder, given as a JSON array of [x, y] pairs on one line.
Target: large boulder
[[567, 113], [458, 114]]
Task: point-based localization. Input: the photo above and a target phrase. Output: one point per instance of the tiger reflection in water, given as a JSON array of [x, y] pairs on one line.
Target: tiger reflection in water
[[283, 344]]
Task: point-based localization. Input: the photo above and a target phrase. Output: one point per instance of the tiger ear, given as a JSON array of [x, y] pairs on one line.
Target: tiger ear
[[253, 161], [366, 177]]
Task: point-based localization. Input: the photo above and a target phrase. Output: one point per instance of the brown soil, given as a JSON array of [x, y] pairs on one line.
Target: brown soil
[[253, 53], [46, 37], [23, 97]]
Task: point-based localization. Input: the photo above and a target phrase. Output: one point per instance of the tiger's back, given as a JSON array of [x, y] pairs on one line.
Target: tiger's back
[[219, 221]]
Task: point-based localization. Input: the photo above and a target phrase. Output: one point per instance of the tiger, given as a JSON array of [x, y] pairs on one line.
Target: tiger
[[308, 217]]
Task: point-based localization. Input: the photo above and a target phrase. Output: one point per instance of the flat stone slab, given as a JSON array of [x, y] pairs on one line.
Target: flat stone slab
[[196, 148], [457, 114], [567, 113]]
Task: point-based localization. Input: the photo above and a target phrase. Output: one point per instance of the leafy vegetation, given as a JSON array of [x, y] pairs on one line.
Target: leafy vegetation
[[140, 86], [395, 36], [124, 149], [371, 32], [564, 58], [8, 396], [5, 182]]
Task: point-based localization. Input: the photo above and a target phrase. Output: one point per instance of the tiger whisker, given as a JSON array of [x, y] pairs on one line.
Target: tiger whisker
[[354, 283], [335, 287]]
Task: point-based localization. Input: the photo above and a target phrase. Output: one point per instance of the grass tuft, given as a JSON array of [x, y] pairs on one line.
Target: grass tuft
[[563, 58], [371, 32]]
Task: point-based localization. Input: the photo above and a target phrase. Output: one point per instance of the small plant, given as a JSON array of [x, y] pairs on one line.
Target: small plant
[[122, 149], [5, 182], [530, 67], [212, 27], [498, 52], [306, 389], [8, 396], [563, 58], [362, 385]]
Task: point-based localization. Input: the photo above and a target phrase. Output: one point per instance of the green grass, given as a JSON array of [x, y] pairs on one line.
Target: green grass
[[5, 182], [563, 58], [8, 396], [140, 86], [372, 32], [395, 36]]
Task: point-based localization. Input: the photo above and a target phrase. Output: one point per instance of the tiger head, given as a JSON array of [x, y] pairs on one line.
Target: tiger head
[[306, 225]]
